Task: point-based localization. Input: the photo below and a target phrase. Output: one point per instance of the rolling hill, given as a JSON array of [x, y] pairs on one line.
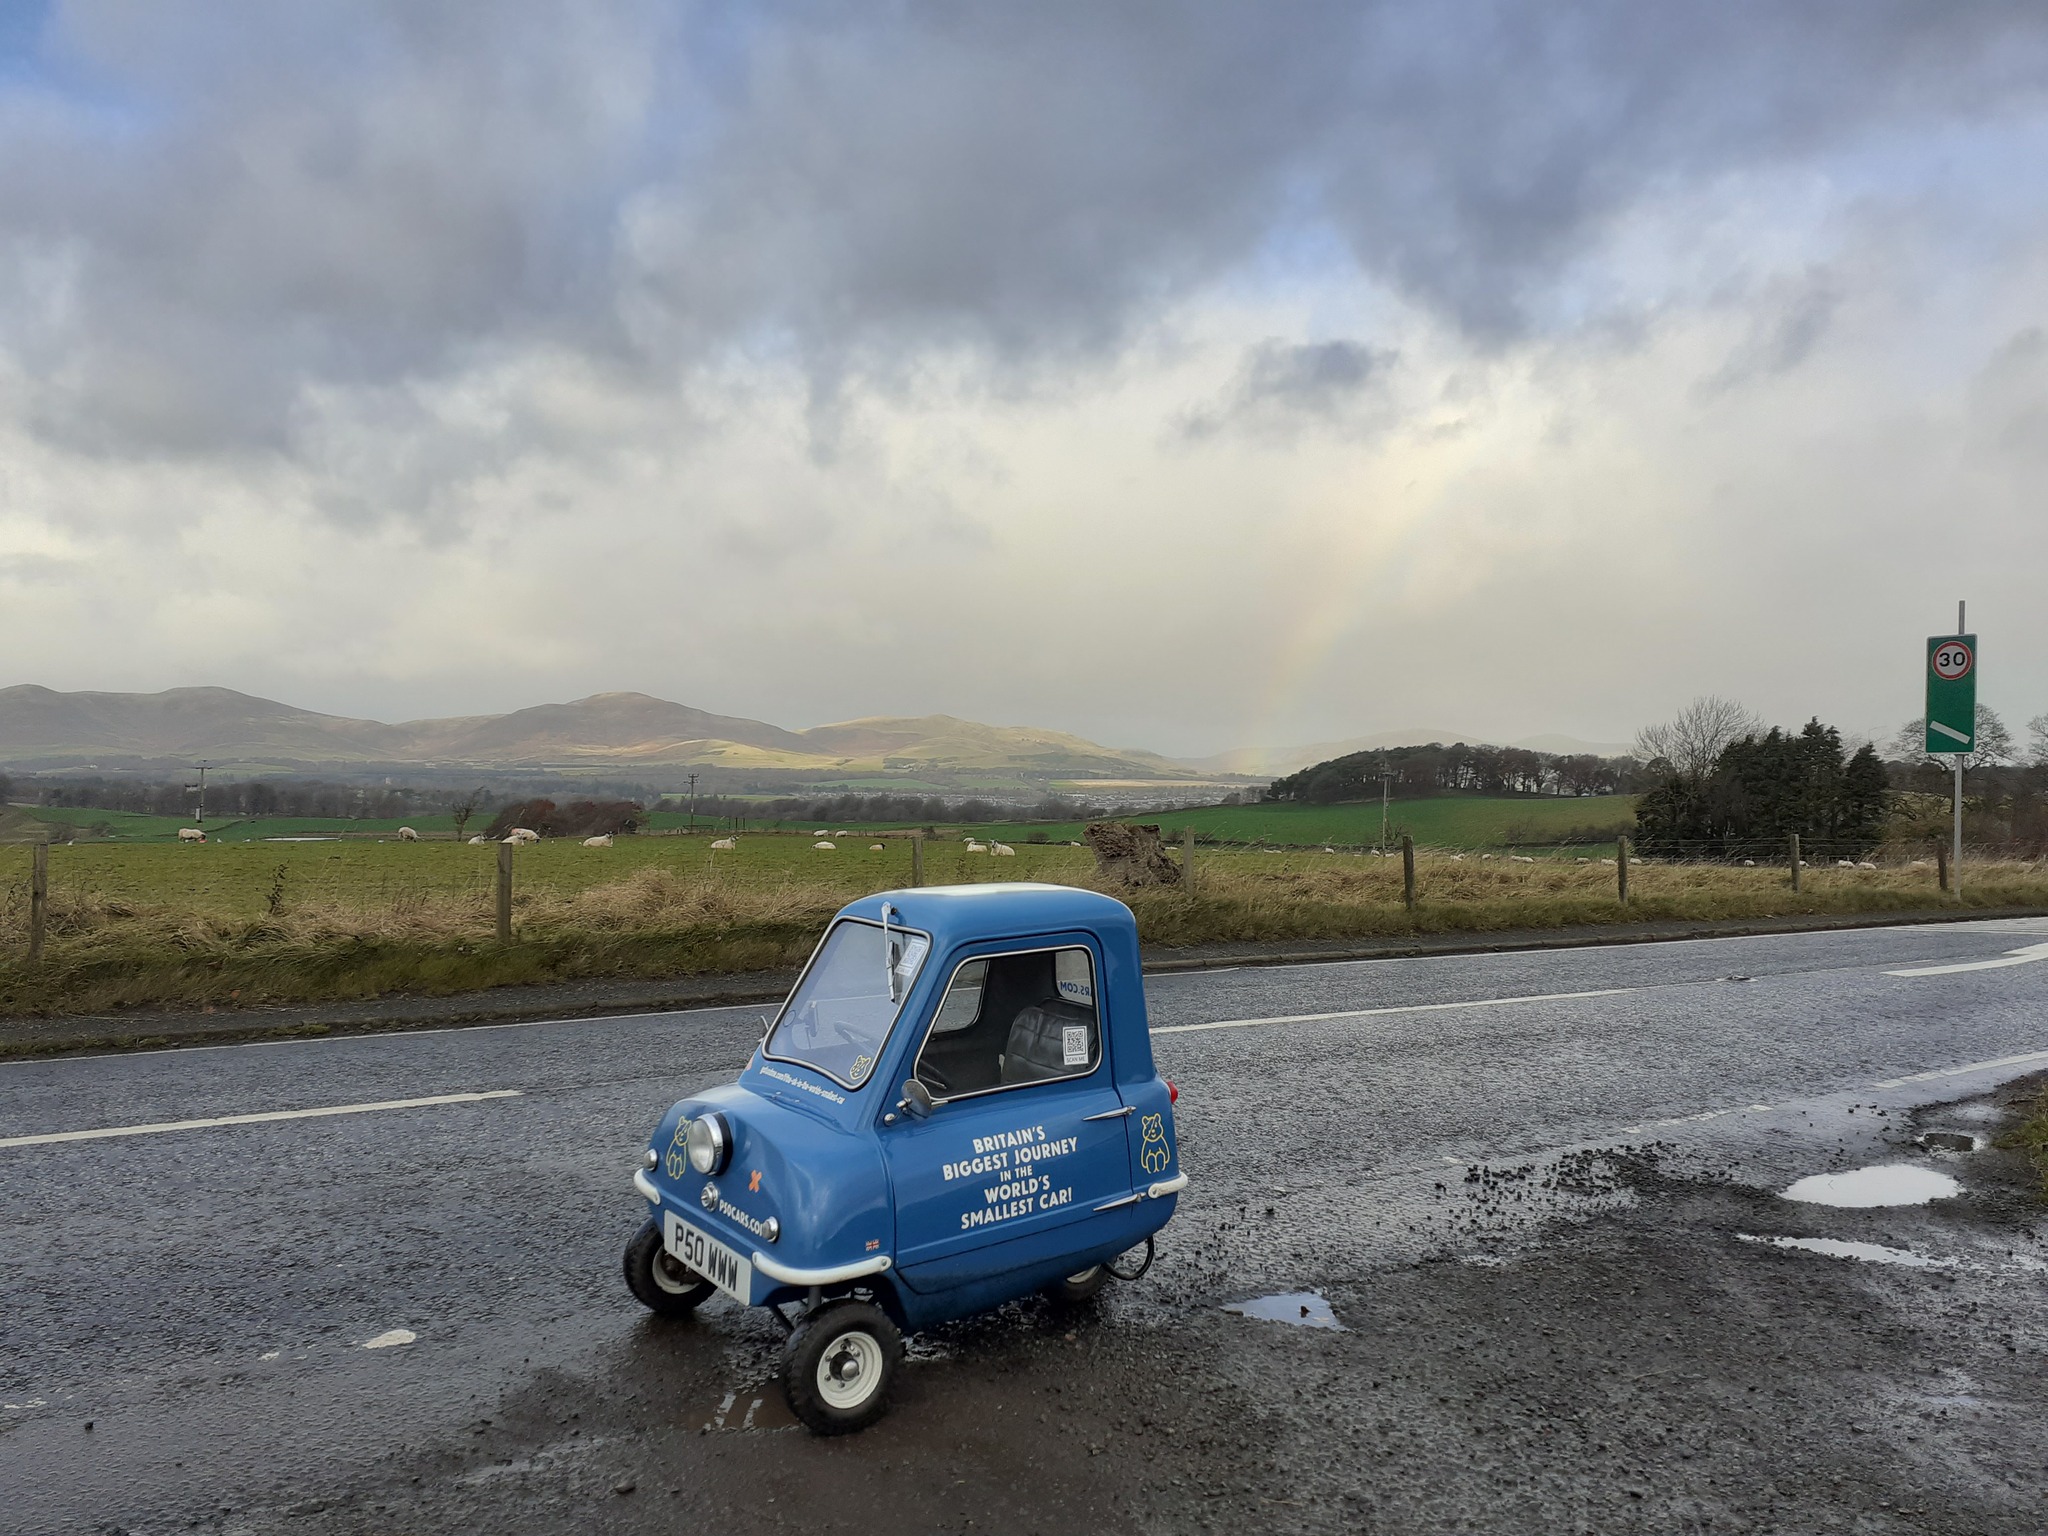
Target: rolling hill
[[41, 728]]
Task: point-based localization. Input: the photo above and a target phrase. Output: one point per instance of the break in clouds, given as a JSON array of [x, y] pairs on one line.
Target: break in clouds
[[1182, 375]]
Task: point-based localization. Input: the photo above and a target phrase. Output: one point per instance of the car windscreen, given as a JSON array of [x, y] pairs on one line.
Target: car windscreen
[[842, 1010]]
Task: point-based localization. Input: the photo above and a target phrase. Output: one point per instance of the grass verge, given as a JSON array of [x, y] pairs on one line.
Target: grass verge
[[224, 927], [2030, 1136]]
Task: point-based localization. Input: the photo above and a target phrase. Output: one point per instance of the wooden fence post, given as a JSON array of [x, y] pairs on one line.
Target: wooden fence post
[[38, 898], [504, 893], [1621, 868], [1941, 865], [1187, 860], [1794, 839], [916, 860], [1408, 871]]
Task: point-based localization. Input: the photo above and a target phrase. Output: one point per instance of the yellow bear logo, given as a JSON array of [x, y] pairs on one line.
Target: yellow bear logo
[[1153, 1152], [677, 1162]]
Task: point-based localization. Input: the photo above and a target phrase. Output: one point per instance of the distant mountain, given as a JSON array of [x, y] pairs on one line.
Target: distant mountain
[[42, 728], [1277, 762]]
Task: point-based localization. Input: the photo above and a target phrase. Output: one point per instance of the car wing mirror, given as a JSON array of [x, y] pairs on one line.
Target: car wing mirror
[[917, 1100]]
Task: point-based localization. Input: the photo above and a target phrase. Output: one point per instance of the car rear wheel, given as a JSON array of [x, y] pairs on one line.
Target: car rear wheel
[[1077, 1288], [838, 1366], [661, 1284]]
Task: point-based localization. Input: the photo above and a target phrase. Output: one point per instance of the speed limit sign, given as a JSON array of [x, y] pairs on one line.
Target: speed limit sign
[[1951, 693]]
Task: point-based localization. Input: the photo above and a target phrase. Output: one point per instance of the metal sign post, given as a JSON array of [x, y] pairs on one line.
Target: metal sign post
[[1952, 717]]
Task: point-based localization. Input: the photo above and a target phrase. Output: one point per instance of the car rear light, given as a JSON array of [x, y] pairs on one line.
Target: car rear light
[[1172, 1093]]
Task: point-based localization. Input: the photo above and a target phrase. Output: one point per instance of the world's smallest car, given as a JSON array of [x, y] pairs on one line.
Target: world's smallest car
[[955, 1108]]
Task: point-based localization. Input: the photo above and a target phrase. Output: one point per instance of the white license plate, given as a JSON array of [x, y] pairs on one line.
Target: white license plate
[[707, 1256]]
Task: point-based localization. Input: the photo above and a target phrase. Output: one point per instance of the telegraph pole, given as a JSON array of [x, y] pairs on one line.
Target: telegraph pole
[[693, 802], [199, 811]]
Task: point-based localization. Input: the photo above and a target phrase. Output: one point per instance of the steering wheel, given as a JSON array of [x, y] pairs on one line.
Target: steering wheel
[[848, 1035], [934, 1079]]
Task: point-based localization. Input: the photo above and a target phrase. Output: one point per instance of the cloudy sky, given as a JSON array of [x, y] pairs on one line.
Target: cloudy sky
[[1183, 375]]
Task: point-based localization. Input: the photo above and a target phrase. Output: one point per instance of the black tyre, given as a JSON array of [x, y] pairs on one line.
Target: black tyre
[[1081, 1287], [838, 1366], [661, 1284]]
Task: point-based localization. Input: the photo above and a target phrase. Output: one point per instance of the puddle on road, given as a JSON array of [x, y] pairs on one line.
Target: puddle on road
[[749, 1410], [1304, 1309], [1885, 1184], [1869, 1253]]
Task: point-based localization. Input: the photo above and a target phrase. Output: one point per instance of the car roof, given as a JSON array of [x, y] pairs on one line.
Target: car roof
[[957, 914]]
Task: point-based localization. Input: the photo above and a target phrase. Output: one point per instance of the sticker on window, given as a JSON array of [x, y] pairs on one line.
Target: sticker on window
[[1076, 980], [1074, 1044]]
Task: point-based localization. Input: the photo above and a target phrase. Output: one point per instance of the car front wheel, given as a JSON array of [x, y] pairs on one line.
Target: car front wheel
[[661, 1284], [838, 1366]]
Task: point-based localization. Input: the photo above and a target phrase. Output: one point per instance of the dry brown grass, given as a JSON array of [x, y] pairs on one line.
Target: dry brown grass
[[110, 947]]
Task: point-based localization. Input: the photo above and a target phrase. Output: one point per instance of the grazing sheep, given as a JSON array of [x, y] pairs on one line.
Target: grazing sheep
[[1580, 859], [478, 841], [842, 832], [825, 843], [974, 847], [191, 835], [1457, 858], [1845, 863], [522, 835], [1607, 861], [874, 847], [1003, 851], [1749, 863], [1866, 864], [407, 835], [1329, 850], [1521, 858], [1486, 856], [726, 844], [1918, 864], [602, 840]]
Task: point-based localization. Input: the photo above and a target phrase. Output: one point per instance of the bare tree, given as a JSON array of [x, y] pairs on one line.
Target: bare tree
[[1994, 742], [2037, 730], [1694, 741], [466, 808]]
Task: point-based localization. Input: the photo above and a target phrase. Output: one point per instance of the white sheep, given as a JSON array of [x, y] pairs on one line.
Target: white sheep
[[842, 832], [478, 841], [1521, 858], [407, 835], [1866, 864], [602, 840], [874, 847], [191, 835], [1003, 851], [1749, 863], [825, 843], [974, 847], [522, 835], [1845, 863], [1486, 856], [726, 844]]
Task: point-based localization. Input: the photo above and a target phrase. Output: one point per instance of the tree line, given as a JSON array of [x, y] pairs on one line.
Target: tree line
[[1438, 769], [1760, 789]]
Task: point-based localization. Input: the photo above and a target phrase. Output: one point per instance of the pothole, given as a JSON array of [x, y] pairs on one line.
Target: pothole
[[1868, 1253], [1885, 1184], [1304, 1309]]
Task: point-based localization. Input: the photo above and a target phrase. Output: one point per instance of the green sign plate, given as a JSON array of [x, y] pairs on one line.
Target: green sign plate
[[1951, 693]]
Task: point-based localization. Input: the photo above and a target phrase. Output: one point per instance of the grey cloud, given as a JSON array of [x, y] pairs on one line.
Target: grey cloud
[[250, 201], [1783, 334], [1282, 388]]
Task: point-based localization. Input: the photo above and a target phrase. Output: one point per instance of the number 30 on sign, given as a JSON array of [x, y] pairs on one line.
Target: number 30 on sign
[[1952, 660]]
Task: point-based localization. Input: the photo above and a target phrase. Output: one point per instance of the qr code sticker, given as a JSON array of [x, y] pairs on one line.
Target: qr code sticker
[[1074, 1044]]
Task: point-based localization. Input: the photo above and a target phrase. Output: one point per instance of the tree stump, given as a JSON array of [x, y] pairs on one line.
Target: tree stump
[[1130, 855]]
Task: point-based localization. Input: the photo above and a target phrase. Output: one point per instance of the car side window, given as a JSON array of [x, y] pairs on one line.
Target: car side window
[[1010, 1020]]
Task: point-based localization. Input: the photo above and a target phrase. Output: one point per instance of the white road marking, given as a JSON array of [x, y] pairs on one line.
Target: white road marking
[[257, 1119], [1368, 1013], [2026, 955], [2027, 1060]]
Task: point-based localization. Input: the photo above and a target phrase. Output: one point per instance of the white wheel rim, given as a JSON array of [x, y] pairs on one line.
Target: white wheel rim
[[1085, 1276], [850, 1370], [669, 1273]]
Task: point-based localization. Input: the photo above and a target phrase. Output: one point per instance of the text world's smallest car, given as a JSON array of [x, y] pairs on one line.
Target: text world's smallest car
[[956, 1107]]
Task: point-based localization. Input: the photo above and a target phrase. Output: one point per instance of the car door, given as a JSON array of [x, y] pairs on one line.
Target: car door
[[1010, 1167]]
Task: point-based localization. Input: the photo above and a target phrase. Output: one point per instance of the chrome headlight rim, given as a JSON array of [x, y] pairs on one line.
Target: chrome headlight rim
[[709, 1143]]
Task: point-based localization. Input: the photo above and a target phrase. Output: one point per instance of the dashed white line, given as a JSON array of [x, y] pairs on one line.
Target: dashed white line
[[1368, 1013], [160, 1127], [2026, 955], [2026, 1060]]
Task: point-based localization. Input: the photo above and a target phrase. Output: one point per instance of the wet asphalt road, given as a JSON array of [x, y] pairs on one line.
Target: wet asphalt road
[[1533, 1239]]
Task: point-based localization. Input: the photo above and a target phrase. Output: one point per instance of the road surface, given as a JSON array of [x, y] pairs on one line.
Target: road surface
[[1537, 1193]]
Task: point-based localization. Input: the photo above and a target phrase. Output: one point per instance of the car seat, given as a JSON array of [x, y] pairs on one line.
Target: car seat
[[1036, 1049]]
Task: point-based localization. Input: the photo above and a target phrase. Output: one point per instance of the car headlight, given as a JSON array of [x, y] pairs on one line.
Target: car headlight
[[709, 1144]]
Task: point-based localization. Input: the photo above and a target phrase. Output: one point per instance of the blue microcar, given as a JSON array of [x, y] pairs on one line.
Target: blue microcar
[[956, 1107]]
